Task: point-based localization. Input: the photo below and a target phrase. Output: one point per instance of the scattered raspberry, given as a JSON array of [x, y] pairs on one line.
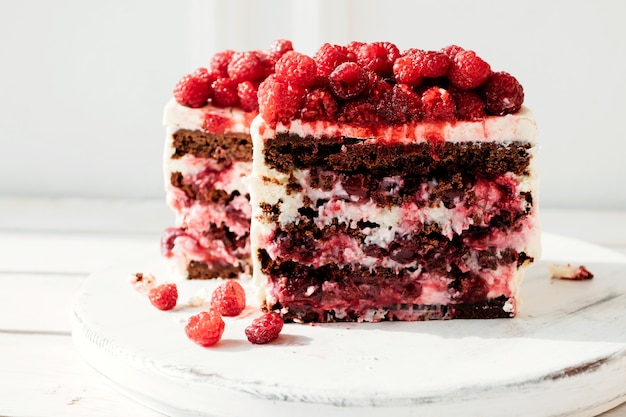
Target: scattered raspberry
[[406, 70], [359, 112], [164, 296], [296, 68], [373, 57], [438, 105], [319, 104], [451, 50], [142, 282], [215, 123], [329, 57], [503, 94], [348, 80], [193, 90], [205, 328], [219, 63], [225, 93], [229, 299], [279, 102], [247, 93], [264, 329], [469, 105], [246, 66], [278, 48], [468, 70]]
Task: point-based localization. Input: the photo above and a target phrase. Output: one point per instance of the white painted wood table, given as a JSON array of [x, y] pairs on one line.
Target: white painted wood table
[[49, 247]]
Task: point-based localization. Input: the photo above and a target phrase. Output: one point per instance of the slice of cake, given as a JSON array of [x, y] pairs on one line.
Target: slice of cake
[[208, 153], [392, 186]]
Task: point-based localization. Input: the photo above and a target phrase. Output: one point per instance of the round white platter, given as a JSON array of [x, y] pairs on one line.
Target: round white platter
[[565, 353]]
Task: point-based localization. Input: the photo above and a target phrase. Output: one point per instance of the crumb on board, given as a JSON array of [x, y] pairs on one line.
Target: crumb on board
[[569, 271]]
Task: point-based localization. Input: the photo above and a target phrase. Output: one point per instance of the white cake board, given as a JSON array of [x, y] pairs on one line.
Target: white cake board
[[565, 354]]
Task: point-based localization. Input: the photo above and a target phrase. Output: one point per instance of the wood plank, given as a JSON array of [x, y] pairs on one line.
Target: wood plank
[[42, 375]]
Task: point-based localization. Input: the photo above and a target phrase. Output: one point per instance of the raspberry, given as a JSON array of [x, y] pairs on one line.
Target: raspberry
[[229, 299], [393, 52], [353, 48], [406, 105], [296, 68], [468, 70], [246, 66], [225, 93], [373, 57], [264, 329], [359, 112], [164, 296], [247, 93], [329, 57], [469, 105], [348, 80], [278, 101], [319, 104], [193, 90], [278, 48], [438, 105], [219, 62], [215, 123], [451, 50], [205, 328], [503, 94], [433, 64], [407, 71]]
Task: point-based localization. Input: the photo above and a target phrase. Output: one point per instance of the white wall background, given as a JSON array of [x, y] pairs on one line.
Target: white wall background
[[83, 83]]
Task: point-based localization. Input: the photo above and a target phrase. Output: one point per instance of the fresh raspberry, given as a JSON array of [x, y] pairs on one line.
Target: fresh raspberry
[[468, 70], [319, 104], [348, 80], [225, 93], [264, 329], [433, 64], [219, 62], [205, 328], [406, 105], [193, 90], [278, 101], [229, 299], [451, 50], [503, 94], [247, 93], [353, 48], [469, 105], [329, 57], [359, 112], [215, 123], [278, 48], [373, 57], [377, 88], [393, 52], [164, 296], [296, 68], [246, 66], [406, 70], [438, 105]]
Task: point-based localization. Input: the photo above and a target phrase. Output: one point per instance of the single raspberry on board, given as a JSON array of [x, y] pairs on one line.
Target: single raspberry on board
[[164, 296], [279, 101], [297, 69], [219, 62], [348, 80], [278, 48], [329, 57], [469, 105], [264, 329], [247, 93], [225, 93], [503, 94], [205, 328], [438, 105], [246, 66], [319, 104], [468, 70], [193, 90], [229, 299]]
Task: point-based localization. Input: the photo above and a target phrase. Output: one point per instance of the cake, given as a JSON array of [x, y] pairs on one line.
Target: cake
[[208, 154], [392, 185]]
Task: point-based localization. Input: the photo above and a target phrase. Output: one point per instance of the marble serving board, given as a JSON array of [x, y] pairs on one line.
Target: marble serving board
[[565, 353]]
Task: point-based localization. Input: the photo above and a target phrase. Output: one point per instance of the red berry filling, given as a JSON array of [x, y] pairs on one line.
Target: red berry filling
[[205, 328], [229, 299], [264, 329]]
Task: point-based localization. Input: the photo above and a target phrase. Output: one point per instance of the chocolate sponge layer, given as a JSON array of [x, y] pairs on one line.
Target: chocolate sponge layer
[[219, 146]]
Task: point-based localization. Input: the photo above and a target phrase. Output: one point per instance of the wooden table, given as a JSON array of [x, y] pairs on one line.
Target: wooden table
[[48, 247]]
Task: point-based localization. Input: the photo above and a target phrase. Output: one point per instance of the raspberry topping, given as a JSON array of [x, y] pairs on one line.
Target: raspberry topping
[[319, 104], [438, 105], [373, 57], [433, 64], [247, 94], [205, 328], [246, 66], [225, 92], [451, 50], [164, 296], [229, 299], [468, 70], [329, 57], [503, 94], [193, 89], [469, 105], [220, 61], [348, 80], [264, 329], [278, 48], [297, 69], [281, 101], [406, 70]]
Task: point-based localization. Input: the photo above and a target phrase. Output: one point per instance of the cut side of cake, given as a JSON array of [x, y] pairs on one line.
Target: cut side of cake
[[207, 156], [393, 186]]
